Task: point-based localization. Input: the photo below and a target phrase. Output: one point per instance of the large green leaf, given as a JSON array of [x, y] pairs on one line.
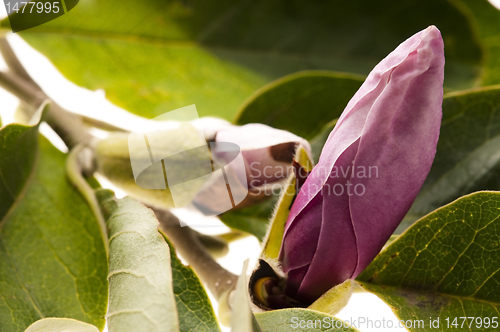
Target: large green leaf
[[52, 257], [193, 305], [468, 153], [140, 277], [298, 319], [445, 265], [485, 19], [301, 103], [154, 56]]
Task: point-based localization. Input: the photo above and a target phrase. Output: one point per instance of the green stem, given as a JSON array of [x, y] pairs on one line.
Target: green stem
[[74, 171]]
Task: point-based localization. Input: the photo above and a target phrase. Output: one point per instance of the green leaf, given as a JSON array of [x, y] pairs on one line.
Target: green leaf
[[52, 257], [298, 319], [467, 157], [253, 220], [140, 277], [335, 299], [193, 305], [60, 325], [485, 20], [301, 103], [152, 56], [242, 318], [445, 265]]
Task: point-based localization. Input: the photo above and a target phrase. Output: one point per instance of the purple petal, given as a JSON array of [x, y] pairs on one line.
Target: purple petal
[[392, 125]]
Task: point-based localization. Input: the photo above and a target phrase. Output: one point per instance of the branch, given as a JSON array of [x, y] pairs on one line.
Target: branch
[[218, 280], [13, 62], [101, 125], [67, 125]]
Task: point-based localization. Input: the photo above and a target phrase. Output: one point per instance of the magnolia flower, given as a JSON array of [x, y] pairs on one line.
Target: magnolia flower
[[268, 152], [369, 172], [267, 158]]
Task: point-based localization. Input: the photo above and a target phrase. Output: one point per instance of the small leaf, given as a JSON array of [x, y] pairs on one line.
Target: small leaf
[[193, 305], [253, 220], [60, 325], [140, 277], [52, 257], [445, 265], [297, 319], [334, 299], [467, 157], [242, 318], [301, 103]]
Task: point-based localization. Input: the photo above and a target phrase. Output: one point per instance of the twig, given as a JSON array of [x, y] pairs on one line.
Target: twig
[[66, 124], [13, 62], [218, 280], [101, 125]]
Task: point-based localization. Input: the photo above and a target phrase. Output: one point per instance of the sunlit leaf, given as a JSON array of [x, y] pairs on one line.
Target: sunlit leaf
[[140, 277], [242, 318], [298, 319], [445, 265], [152, 56], [60, 325]]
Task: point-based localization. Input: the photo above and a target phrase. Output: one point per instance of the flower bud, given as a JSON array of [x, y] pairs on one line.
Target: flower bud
[[267, 154], [369, 172]]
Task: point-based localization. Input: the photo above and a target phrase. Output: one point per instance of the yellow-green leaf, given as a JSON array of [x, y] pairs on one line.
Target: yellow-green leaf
[[274, 237], [155, 56], [61, 325]]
